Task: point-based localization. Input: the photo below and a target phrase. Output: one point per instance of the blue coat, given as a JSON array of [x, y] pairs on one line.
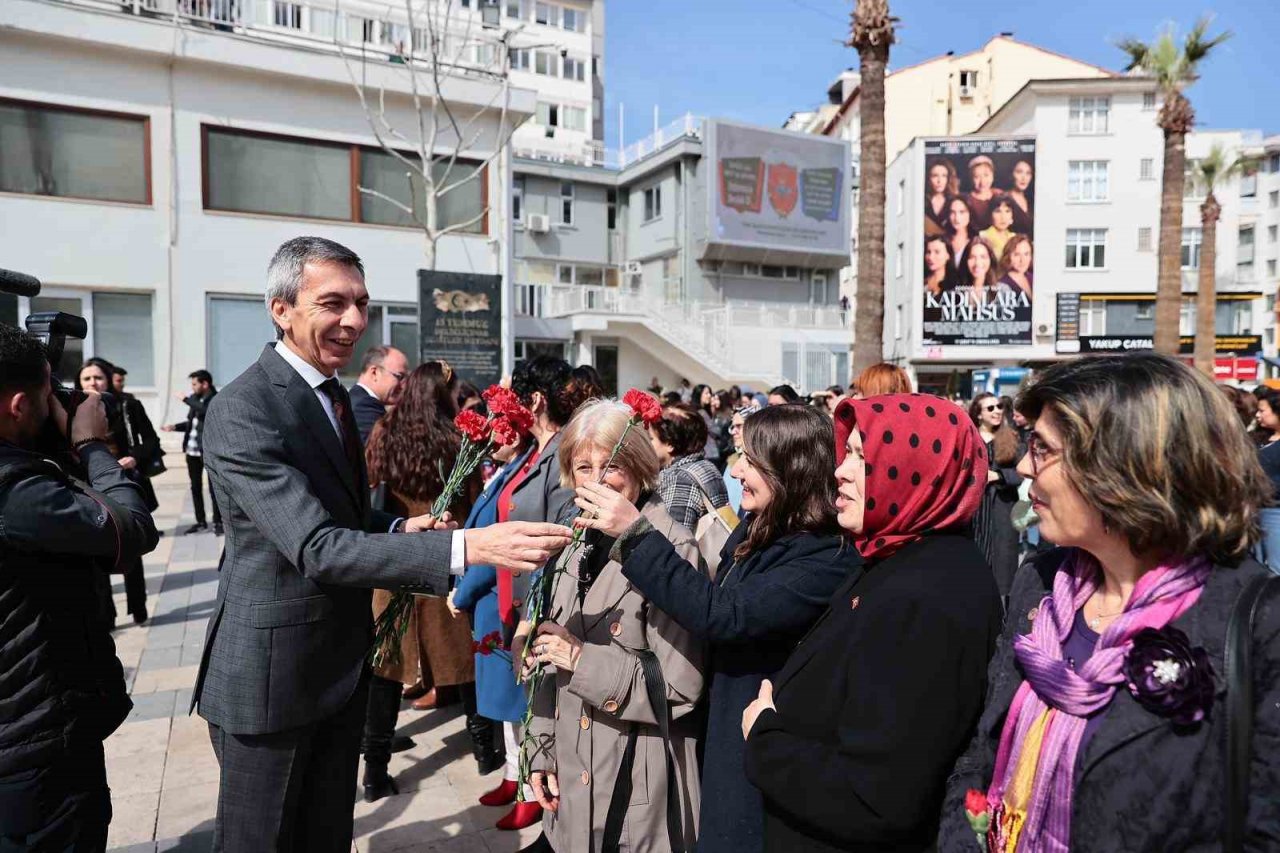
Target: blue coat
[[752, 616], [498, 696]]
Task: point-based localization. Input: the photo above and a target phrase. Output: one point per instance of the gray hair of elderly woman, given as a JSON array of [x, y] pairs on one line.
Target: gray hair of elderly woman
[[1159, 450], [284, 273], [600, 425]]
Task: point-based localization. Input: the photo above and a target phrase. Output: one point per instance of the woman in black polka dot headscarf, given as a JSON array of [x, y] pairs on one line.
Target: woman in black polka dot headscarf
[[878, 702]]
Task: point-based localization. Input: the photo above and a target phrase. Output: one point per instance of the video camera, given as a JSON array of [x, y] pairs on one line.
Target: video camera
[[53, 328]]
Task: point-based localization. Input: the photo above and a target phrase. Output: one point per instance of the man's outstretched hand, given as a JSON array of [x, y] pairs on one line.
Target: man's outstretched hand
[[522, 546]]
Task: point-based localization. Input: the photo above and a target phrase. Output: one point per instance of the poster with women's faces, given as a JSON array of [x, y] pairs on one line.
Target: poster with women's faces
[[979, 232]]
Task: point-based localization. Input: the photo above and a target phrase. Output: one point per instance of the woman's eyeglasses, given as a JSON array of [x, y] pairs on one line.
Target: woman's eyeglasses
[[993, 407], [1040, 452]]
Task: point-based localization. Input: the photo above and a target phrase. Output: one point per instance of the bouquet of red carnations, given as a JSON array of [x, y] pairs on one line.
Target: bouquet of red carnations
[[480, 435]]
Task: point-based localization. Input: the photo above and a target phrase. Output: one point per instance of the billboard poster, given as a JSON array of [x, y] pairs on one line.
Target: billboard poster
[[778, 190], [979, 233], [460, 321]]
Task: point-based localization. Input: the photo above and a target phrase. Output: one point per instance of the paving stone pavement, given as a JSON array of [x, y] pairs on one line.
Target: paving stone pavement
[[161, 768]]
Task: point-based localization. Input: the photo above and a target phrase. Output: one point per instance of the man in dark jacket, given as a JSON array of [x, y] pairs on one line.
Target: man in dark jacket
[[381, 372], [62, 689], [202, 391]]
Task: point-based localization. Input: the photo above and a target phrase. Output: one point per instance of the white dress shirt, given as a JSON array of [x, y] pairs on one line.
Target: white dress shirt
[[314, 378]]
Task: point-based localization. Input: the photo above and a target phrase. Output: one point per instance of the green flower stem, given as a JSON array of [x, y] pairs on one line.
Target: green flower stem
[[537, 608], [393, 622]]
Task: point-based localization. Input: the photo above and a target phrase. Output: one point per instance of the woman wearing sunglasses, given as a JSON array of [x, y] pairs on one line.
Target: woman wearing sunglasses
[[993, 526], [1106, 718]]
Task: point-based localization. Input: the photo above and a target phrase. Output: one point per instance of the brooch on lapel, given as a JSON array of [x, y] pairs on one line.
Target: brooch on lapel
[[1168, 677]]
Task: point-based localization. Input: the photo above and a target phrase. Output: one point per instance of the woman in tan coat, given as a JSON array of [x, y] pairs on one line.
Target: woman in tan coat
[[618, 672]]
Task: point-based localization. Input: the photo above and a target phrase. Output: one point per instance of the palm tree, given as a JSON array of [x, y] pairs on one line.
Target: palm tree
[[871, 34], [1208, 173], [1174, 68]]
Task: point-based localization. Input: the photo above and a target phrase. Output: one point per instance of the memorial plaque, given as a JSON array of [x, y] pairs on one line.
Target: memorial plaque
[[460, 319]]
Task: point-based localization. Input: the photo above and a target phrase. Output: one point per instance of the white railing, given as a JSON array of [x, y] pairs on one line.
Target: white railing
[[590, 153], [704, 331], [687, 125], [463, 49]]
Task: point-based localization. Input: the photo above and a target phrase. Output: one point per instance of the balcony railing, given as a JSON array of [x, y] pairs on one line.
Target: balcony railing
[[464, 48]]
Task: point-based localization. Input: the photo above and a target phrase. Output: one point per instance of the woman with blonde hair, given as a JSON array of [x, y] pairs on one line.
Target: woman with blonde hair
[[993, 525], [609, 717], [1123, 713], [1015, 266]]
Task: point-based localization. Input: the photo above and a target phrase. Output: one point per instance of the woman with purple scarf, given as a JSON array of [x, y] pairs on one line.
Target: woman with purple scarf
[[1105, 720]]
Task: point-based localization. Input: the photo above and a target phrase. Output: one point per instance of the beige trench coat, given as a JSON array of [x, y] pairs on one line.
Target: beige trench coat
[[581, 719]]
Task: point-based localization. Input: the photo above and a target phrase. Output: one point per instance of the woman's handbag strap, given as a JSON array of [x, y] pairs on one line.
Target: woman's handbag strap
[[656, 687], [1240, 709]]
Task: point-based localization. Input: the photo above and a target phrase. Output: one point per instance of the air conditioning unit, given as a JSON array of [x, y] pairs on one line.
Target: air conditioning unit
[[1044, 329], [538, 223], [966, 92], [634, 268]]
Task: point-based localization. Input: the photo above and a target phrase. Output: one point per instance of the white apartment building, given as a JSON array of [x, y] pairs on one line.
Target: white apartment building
[[153, 153], [946, 95], [1097, 163]]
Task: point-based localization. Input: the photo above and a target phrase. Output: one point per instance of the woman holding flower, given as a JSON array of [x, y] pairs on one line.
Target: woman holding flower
[[776, 574], [1106, 720], [852, 741], [610, 716]]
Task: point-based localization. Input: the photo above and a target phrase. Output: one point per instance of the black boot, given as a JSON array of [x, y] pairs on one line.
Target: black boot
[[488, 758], [377, 781]]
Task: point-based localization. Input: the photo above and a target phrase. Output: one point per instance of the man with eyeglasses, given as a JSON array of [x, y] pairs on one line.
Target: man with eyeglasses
[[381, 370]]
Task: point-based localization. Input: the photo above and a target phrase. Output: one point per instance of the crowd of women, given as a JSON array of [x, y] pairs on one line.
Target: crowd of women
[[860, 663]]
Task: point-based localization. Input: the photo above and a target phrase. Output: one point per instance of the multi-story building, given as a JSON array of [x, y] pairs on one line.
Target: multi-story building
[[946, 95], [1267, 235], [153, 153], [1095, 152], [638, 268]]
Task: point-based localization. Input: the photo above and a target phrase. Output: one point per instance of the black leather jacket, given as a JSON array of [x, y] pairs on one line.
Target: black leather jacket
[[61, 686]]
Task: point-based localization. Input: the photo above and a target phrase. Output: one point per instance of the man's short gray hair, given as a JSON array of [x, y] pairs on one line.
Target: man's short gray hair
[[284, 273]]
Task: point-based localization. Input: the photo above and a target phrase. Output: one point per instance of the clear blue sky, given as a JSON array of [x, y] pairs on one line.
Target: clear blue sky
[[759, 60]]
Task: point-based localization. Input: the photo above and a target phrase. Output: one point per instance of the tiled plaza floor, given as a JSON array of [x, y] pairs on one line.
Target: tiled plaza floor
[[161, 768]]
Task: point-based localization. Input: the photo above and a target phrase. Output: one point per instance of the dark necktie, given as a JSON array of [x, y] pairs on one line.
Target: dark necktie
[[350, 436]]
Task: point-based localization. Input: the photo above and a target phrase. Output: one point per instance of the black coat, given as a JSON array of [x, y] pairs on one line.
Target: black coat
[[877, 703], [197, 407], [993, 524], [367, 409], [1140, 784], [752, 616], [62, 688]]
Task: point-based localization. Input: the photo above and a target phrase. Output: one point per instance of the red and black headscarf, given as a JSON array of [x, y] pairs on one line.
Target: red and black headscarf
[[926, 467]]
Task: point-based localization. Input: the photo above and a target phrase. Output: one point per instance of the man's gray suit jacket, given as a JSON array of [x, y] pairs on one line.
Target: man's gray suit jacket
[[292, 628]]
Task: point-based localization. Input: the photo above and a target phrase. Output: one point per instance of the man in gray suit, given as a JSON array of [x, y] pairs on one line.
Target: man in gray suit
[[283, 679]]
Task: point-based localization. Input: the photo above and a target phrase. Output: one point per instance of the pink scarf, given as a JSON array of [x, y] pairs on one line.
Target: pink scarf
[[1053, 703]]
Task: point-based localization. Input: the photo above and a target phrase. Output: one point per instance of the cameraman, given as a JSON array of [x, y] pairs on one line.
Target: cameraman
[[62, 689]]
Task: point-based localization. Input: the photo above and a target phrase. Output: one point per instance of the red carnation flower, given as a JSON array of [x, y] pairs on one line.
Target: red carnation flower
[[504, 433], [503, 401], [473, 426], [646, 406]]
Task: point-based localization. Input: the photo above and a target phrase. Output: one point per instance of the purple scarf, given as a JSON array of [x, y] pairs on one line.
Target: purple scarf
[[1160, 596]]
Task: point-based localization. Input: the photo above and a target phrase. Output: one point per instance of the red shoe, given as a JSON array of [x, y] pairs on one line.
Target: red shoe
[[503, 795], [520, 816]]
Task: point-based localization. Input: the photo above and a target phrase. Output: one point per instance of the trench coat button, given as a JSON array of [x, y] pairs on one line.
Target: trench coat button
[[586, 778], [1031, 614], [511, 507], [610, 707], [517, 603], [616, 629], [853, 604], [585, 722]]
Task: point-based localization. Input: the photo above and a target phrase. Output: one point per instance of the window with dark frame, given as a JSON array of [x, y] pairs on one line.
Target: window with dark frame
[[611, 209], [566, 203], [68, 152], [251, 172], [652, 203]]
